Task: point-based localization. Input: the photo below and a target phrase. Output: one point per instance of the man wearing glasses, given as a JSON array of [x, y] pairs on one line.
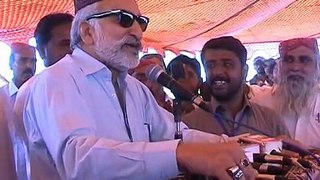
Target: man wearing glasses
[[97, 122], [22, 62]]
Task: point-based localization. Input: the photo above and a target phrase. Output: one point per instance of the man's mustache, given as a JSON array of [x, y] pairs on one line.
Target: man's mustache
[[28, 71], [295, 77], [132, 41]]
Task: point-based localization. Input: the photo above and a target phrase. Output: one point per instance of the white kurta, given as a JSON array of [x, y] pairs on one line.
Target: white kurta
[[305, 128], [76, 130]]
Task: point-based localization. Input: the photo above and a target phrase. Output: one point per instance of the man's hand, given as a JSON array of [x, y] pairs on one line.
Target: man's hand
[[213, 159]]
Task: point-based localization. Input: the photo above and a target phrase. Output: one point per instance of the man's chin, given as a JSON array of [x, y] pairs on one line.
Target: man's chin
[[295, 83], [221, 97], [28, 76]]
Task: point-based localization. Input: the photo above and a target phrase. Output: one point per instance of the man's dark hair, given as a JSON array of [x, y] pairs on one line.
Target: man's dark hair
[[43, 30], [226, 43], [176, 70], [154, 55]]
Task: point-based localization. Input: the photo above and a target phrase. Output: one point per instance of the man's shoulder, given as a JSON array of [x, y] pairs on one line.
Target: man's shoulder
[[4, 87], [263, 112], [263, 95], [259, 107], [4, 90], [60, 71], [197, 114], [62, 66]]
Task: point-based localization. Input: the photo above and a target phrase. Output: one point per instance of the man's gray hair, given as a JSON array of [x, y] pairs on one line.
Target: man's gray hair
[[80, 17]]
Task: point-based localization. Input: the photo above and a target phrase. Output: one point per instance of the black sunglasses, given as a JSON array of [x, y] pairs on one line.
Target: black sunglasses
[[125, 18]]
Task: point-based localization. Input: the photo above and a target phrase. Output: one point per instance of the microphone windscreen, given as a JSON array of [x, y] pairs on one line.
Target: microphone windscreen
[[153, 72]]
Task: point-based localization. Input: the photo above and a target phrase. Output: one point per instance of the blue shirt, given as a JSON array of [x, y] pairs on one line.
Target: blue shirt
[[76, 130]]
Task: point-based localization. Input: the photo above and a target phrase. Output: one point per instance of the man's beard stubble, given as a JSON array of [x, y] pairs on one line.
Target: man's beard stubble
[[231, 92]]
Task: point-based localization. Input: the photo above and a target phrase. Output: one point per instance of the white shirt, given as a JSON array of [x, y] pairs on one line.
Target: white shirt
[[7, 151], [305, 128], [75, 127]]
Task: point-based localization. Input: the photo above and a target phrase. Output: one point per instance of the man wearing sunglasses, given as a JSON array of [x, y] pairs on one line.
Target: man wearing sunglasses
[[97, 122]]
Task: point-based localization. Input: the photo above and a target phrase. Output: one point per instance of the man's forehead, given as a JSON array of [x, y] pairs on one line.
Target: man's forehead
[[155, 60], [23, 55], [220, 54], [62, 29], [22, 49]]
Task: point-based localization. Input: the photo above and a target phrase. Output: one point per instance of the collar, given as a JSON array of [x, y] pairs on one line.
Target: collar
[[12, 89], [89, 65], [217, 106]]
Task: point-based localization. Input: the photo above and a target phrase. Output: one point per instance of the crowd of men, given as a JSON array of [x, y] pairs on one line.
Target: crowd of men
[[93, 113]]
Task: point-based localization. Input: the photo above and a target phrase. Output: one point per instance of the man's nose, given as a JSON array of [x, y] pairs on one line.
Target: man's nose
[[218, 70], [296, 66], [135, 30]]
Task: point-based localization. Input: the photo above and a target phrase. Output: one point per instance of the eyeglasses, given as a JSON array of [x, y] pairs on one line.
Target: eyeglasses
[[125, 18]]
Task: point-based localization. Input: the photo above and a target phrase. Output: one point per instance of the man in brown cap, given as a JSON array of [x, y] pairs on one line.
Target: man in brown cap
[[97, 122], [296, 95], [22, 62]]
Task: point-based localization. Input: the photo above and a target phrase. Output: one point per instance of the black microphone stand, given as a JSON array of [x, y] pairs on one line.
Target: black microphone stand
[[177, 113]]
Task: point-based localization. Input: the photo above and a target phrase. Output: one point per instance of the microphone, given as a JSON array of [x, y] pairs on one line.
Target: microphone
[[270, 177], [299, 149], [268, 168], [266, 158], [156, 74], [285, 153]]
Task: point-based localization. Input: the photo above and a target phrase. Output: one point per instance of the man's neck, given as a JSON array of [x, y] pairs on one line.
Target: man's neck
[[115, 74], [235, 104], [17, 83]]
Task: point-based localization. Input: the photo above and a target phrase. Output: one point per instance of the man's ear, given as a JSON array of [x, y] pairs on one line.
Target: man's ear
[[87, 33], [41, 51], [245, 71]]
